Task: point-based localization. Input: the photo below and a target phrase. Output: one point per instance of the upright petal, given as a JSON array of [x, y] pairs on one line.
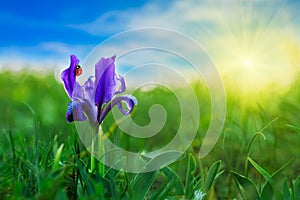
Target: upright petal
[[89, 90], [68, 75], [129, 100], [89, 100], [105, 80], [77, 92]]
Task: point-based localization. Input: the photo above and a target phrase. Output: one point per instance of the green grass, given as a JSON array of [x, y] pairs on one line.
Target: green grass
[[41, 156]]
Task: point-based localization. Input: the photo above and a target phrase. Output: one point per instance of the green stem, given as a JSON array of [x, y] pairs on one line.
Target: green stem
[[97, 152], [259, 133], [92, 167], [249, 148], [101, 151]]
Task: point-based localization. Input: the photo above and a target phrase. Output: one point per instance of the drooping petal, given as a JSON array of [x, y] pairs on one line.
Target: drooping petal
[[68, 75], [89, 110], [74, 112], [122, 85], [105, 80], [83, 105], [129, 100]]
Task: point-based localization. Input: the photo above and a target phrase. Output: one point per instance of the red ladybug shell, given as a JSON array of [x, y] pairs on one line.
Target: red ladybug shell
[[78, 70]]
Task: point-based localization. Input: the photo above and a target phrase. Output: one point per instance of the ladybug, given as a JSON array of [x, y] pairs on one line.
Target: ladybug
[[78, 70]]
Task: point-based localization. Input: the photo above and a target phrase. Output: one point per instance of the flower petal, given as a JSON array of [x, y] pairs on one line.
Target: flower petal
[[89, 110], [77, 92], [105, 80], [74, 112], [89, 90], [122, 86], [68, 75], [129, 100], [88, 101]]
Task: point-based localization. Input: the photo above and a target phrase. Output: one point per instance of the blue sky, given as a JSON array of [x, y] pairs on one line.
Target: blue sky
[[32, 22], [42, 34], [32, 29]]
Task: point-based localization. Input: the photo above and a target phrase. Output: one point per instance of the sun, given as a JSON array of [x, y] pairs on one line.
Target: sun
[[253, 66], [254, 52], [247, 63]]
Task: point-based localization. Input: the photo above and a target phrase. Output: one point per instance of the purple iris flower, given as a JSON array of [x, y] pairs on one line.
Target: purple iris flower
[[98, 95]]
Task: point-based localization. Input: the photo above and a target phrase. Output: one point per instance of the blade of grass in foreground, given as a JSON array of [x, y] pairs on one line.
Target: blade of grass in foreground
[[57, 157], [211, 175], [250, 190], [190, 175], [141, 184]]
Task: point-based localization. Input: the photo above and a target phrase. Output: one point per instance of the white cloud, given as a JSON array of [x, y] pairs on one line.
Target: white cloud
[[194, 18], [44, 55], [65, 49], [224, 28], [227, 30], [106, 24], [211, 23]]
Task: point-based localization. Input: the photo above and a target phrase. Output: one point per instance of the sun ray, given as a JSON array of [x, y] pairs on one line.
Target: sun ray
[[248, 48]]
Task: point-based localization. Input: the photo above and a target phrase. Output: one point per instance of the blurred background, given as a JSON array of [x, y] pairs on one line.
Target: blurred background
[[255, 46]]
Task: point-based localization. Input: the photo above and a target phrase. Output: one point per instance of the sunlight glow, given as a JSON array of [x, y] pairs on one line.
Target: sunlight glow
[[247, 62], [258, 53]]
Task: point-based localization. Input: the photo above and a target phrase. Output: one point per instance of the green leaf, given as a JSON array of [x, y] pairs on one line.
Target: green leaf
[[211, 175], [141, 184], [275, 175], [85, 178], [47, 155], [294, 128], [178, 183], [271, 187], [162, 160], [249, 148], [296, 187], [171, 178], [57, 157], [190, 176], [262, 171], [267, 192], [163, 191], [60, 195], [285, 190], [251, 191], [219, 173]]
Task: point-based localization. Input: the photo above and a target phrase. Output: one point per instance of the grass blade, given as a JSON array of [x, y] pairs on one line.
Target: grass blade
[[275, 175], [141, 185], [296, 188], [178, 186], [294, 128], [211, 175], [190, 174], [251, 191], [267, 191], [286, 193], [261, 170], [57, 157]]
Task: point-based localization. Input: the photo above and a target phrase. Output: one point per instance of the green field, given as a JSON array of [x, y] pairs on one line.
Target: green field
[[256, 157]]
